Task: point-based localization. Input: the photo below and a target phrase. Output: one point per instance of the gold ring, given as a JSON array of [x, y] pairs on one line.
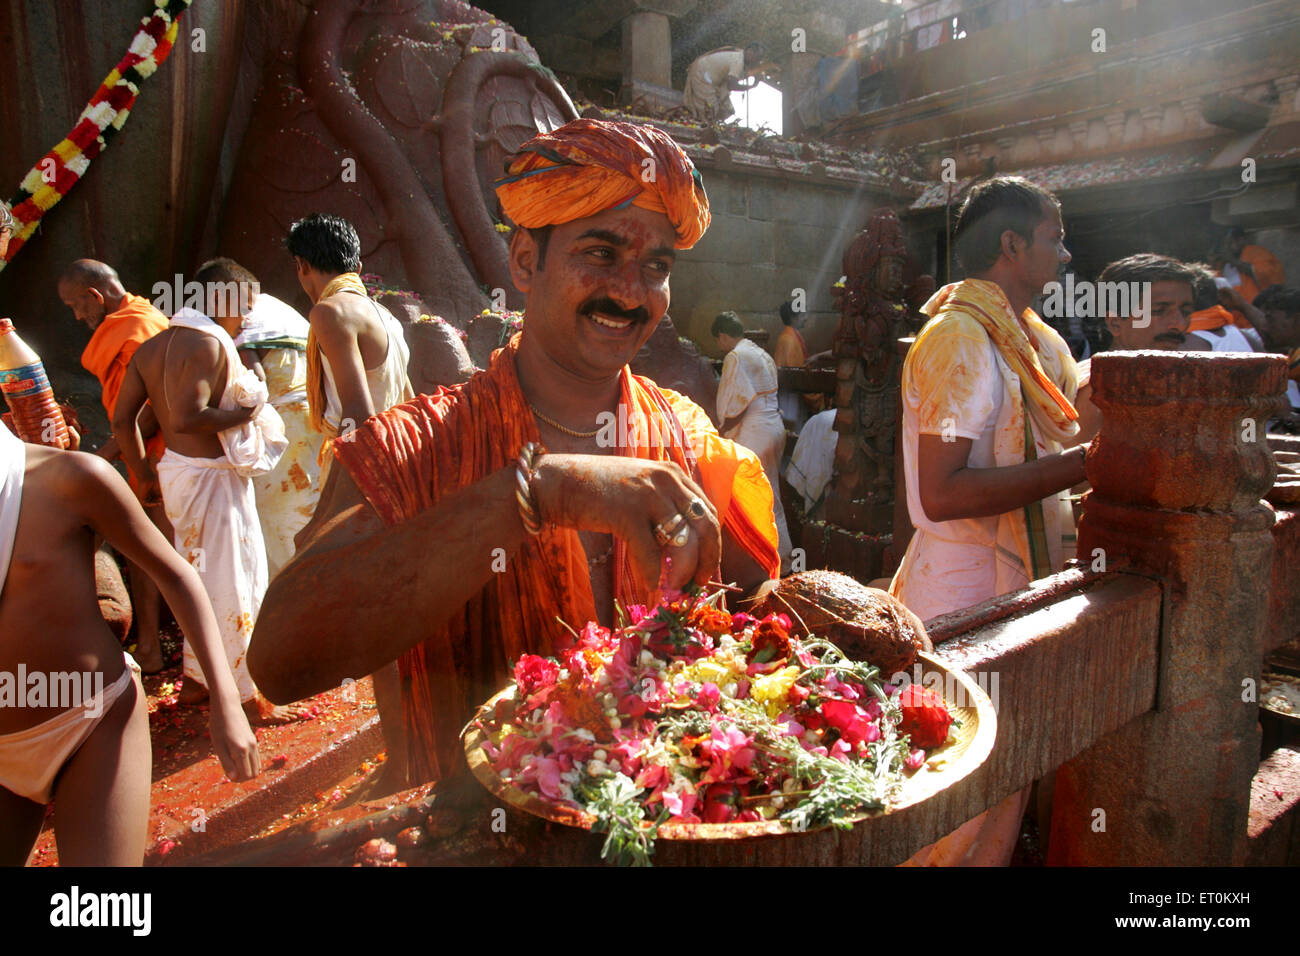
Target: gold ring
[[696, 510]]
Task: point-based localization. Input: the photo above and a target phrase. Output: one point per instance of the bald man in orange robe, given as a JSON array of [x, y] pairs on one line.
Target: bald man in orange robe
[[120, 322], [438, 543]]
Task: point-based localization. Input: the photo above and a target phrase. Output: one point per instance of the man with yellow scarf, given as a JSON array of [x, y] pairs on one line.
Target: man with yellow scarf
[[356, 367], [988, 391]]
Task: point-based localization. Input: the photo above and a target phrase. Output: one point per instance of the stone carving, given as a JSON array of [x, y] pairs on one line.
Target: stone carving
[[874, 314], [398, 118]]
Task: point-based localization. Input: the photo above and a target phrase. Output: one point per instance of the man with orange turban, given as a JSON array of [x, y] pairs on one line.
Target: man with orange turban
[[472, 526]]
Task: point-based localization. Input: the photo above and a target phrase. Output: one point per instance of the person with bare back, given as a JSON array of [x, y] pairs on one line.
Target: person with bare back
[[356, 367], [219, 432], [74, 728]]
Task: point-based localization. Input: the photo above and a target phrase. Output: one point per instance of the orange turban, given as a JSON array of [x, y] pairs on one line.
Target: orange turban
[[588, 166]]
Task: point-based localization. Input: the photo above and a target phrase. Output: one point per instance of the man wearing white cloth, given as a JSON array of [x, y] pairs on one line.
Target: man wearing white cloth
[[749, 411], [219, 432], [273, 342]]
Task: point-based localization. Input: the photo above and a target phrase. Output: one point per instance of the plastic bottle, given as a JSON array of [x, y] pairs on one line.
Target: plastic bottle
[[26, 388]]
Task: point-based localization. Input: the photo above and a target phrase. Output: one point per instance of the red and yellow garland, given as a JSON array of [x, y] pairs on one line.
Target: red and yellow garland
[[104, 116]]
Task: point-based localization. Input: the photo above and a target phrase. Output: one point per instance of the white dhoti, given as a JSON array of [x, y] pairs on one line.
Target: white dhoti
[[214, 514]]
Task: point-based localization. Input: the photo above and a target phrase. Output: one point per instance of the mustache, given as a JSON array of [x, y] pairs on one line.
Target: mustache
[[607, 306]]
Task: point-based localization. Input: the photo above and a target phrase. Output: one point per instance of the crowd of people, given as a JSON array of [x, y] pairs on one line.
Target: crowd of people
[[308, 519]]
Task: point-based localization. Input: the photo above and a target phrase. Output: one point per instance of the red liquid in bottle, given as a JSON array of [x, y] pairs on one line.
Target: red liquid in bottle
[[26, 388]]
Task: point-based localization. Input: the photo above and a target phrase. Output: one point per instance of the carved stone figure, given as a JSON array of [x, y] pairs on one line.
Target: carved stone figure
[[874, 314]]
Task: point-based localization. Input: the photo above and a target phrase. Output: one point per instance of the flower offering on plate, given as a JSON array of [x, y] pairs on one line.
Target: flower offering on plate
[[689, 714]]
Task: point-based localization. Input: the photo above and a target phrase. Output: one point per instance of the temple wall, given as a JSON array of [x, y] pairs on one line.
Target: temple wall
[[769, 236]]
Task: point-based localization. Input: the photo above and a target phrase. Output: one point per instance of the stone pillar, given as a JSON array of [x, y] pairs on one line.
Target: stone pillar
[[648, 53], [1177, 475], [647, 49]]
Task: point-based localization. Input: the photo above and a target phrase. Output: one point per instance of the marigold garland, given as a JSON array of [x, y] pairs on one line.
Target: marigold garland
[[101, 120]]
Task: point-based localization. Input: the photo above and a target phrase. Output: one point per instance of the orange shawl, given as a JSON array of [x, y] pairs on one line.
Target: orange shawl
[[110, 349], [407, 459], [1215, 317], [109, 352], [791, 351]]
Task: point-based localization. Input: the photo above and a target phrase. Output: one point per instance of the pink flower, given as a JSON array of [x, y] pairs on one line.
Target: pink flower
[[730, 751], [545, 772], [790, 726], [740, 621], [680, 805], [840, 749], [653, 777], [633, 705], [834, 685], [915, 760], [707, 697]]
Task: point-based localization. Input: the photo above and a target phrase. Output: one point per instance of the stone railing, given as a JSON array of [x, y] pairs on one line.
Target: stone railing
[[1139, 684]]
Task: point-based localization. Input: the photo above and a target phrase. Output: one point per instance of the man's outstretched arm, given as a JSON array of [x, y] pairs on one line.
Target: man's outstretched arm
[[949, 489], [360, 593]]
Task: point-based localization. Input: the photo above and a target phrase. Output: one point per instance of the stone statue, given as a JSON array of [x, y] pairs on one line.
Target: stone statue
[[875, 312], [397, 114]]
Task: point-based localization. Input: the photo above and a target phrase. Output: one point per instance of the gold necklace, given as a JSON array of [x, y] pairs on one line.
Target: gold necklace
[[556, 425]]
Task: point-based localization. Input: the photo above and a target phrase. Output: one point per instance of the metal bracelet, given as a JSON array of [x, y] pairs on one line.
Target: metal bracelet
[[524, 471]]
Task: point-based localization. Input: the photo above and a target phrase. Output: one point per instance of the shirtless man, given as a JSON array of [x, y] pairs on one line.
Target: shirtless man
[[356, 368], [356, 353], [183, 373], [93, 761], [119, 322]]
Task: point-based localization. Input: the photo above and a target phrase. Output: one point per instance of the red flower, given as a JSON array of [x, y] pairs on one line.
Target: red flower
[[532, 673], [720, 802], [771, 640], [925, 717], [850, 720]]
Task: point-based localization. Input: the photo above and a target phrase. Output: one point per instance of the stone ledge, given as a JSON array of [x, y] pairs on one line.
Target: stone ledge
[[1273, 830]]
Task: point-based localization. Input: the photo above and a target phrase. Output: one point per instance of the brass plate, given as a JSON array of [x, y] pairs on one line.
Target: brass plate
[[968, 746]]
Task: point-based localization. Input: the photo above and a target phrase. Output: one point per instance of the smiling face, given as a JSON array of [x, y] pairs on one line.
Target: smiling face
[[601, 290], [1171, 311]]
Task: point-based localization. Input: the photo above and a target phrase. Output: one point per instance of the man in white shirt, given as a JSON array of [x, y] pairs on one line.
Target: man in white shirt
[[749, 412], [711, 78]]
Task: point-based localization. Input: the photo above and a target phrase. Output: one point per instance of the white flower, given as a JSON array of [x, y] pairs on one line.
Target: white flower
[[146, 68], [101, 114], [120, 120], [143, 45], [78, 164]]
